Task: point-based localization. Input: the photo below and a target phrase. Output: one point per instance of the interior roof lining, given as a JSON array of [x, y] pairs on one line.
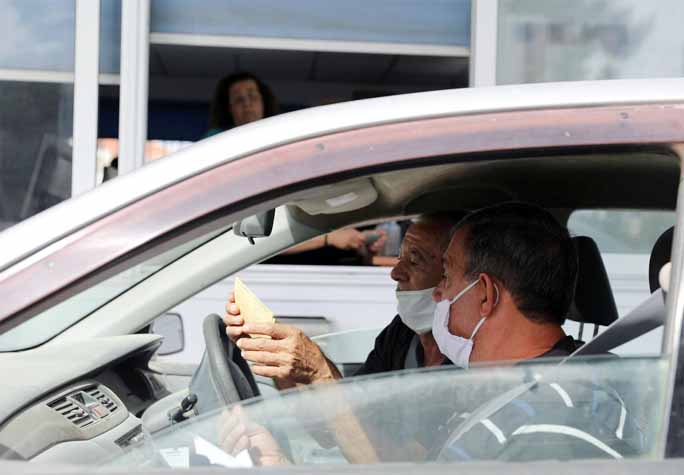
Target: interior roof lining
[[634, 177]]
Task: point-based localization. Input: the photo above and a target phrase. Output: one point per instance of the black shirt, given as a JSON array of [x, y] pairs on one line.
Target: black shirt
[[391, 347], [564, 347], [393, 342]]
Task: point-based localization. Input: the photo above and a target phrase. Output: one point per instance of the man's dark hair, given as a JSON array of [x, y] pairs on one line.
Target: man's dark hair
[[219, 112], [529, 252]]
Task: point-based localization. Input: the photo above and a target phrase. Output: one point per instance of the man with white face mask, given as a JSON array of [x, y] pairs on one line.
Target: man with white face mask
[[508, 282], [407, 342], [290, 357]]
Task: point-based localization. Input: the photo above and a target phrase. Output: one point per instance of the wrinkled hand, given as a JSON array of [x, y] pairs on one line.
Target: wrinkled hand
[[347, 239], [233, 320], [289, 357], [238, 433]]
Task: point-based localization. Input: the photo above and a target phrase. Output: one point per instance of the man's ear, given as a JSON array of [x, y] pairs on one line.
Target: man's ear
[[489, 295]]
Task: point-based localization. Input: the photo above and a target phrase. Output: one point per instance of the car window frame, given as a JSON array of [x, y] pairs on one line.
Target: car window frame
[[672, 443]]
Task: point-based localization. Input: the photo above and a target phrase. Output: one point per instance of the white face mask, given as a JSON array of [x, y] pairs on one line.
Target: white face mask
[[416, 309], [456, 348]]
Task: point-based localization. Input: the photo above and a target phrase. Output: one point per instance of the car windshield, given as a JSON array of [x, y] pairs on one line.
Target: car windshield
[[583, 409], [52, 322]]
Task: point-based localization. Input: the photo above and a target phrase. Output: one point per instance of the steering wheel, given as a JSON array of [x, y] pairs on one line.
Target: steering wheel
[[223, 377]]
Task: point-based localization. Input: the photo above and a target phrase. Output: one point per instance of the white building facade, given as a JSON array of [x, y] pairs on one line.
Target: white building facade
[[153, 73]]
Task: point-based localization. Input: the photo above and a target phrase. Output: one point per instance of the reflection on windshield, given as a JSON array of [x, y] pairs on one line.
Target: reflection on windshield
[[55, 320], [583, 409]]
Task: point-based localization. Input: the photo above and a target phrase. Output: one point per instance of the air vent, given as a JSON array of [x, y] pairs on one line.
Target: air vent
[[103, 398], [72, 412]]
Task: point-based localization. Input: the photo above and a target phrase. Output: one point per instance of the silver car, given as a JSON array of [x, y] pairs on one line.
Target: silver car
[[82, 282]]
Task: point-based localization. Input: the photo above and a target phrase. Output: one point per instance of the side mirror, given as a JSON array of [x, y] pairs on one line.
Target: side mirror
[[170, 326], [259, 225]]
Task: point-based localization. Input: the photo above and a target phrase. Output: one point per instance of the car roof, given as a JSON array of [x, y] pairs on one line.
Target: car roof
[[40, 231]]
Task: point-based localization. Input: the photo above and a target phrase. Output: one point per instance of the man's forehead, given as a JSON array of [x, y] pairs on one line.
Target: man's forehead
[[422, 234]]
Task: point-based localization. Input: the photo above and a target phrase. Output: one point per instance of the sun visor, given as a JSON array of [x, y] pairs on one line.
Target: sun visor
[[339, 198]]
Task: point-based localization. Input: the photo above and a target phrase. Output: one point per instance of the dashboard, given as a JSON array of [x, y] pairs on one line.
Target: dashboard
[[77, 401]]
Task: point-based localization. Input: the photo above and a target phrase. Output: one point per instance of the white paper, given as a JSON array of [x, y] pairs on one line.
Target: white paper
[[219, 457]]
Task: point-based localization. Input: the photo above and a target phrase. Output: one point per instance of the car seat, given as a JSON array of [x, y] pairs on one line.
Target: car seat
[[660, 255], [594, 302]]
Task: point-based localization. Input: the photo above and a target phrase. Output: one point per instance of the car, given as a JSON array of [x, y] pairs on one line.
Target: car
[[82, 282]]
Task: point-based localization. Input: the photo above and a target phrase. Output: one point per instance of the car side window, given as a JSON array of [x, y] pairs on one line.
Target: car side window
[[625, 239], [621, 231]]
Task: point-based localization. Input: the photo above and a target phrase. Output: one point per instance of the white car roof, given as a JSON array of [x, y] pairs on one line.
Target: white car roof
[[38, 232]]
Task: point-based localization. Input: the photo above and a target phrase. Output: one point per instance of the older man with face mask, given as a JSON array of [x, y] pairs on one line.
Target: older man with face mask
[[290, 357]]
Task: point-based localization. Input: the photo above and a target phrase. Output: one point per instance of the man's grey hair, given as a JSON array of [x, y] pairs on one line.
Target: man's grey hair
[[445, 221]]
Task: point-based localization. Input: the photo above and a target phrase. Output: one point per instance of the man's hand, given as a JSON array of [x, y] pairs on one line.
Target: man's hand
[[289, 357], [238, 433], [233, 320]]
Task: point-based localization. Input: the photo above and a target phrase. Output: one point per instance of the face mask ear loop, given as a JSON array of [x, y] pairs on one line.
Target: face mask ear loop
[[482, 317], [477, 327], [462, 292]]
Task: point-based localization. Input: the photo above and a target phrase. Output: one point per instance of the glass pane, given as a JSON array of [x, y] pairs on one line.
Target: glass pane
[[110, 36], [557, 40], [583, 409], [35, 148], [621, 231], [37, 34], [442, 22], [107, 133]]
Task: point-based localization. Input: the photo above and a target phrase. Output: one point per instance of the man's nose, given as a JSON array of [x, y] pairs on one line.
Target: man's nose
[[398, 274]]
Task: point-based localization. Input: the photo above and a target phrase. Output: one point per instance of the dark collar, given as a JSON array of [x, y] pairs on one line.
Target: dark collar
[[563, 347]]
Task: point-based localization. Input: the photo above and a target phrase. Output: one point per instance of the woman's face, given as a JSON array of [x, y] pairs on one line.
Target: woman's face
[[246, 103]]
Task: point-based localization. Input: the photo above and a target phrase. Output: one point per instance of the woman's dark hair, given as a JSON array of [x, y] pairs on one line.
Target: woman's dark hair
[[529, 252], [219, 112]]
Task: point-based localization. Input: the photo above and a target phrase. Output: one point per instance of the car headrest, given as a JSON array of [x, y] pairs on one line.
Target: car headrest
[[660, 255], [594, 301]]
